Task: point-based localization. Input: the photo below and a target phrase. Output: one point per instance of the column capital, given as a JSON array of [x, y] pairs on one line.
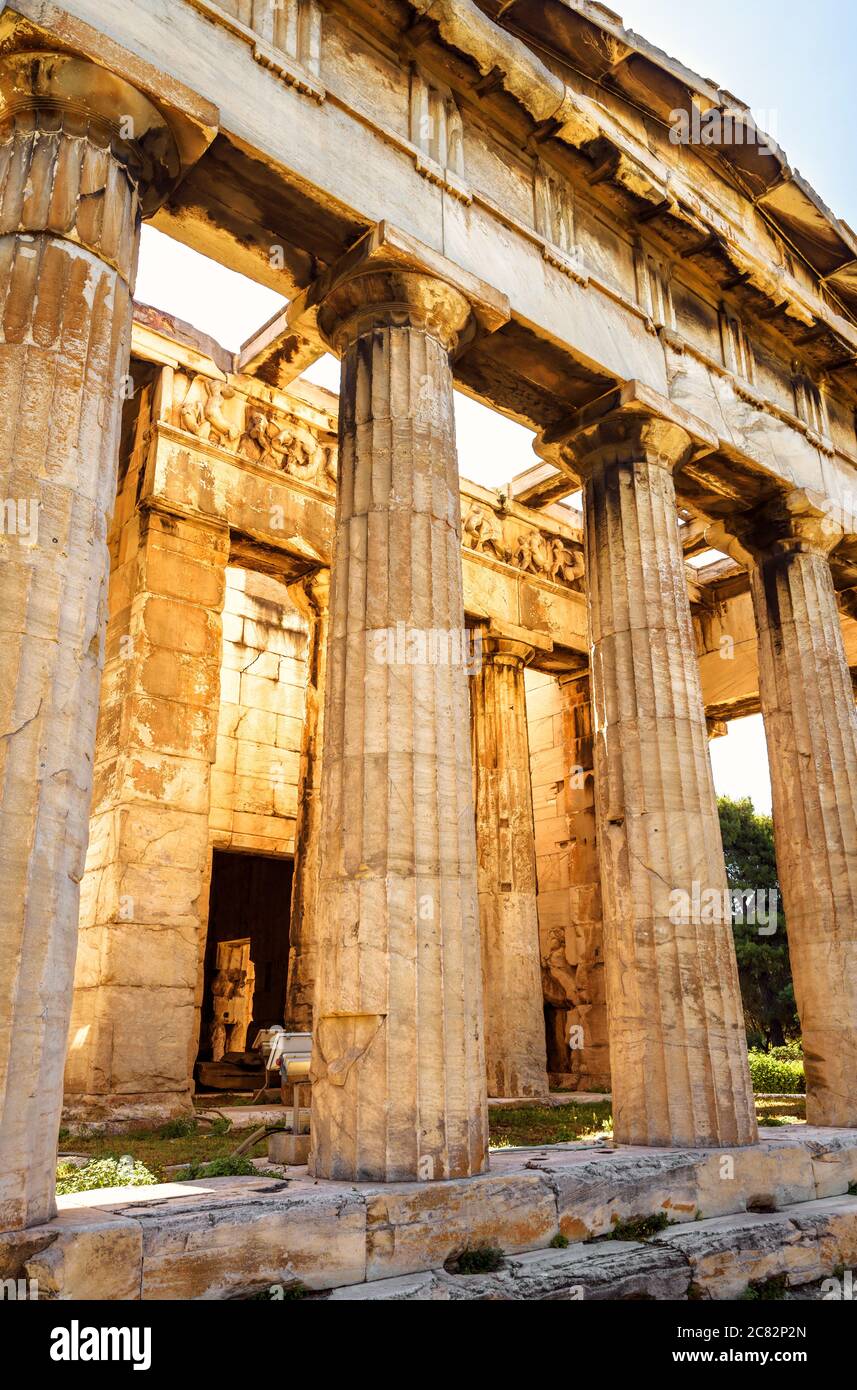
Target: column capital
[[74, 79], [507, 651], [107, 153], [790, 523], [632, 424], [507, 644], [389, 279]]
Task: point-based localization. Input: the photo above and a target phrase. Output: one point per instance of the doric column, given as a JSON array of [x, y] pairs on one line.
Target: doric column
[[398, 1055], [677, 1043], [311, 596], [506, 853], [807, 702], [587, 1034], [84, 156]]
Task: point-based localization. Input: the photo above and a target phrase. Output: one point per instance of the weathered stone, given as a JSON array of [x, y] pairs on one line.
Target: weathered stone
[[612, 1270], [807, 699], [428, 1287], [312, 596], [569, 876], [678, 1053], [73, 194], [398, 1054], [231, 1237], [412, 1227], [505, 850], [635, 331], [79, 1254], [228, 1241], [596, 1192], [291, 1149], [801, 1244]]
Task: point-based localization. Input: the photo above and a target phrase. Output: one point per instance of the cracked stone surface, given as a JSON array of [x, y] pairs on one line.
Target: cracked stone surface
[[69, 231], [312, 597], [807, 699], [398, 1053], [505, 843], [679, 1071], [232, 1237], [133, 1023]]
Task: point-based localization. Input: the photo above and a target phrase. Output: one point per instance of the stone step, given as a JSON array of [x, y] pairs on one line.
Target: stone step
[[714, 1259], [802, 1242], [604, 1270], [780, 1207]]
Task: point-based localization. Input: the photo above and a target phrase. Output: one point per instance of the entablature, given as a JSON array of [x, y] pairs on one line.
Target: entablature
[[562, 227]]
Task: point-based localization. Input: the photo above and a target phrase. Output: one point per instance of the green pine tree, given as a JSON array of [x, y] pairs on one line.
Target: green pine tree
[[763, 961]]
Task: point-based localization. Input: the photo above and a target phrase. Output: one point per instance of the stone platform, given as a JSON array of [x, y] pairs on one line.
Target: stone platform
[[779, 1208]]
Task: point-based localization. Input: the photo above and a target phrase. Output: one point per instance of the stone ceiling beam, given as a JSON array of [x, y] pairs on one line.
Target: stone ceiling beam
[[276, 354]]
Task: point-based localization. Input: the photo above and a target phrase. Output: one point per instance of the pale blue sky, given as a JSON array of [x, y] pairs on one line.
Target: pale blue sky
[[792, 57], [791, 61]]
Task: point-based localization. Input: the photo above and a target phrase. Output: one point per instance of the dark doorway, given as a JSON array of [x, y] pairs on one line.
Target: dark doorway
[[250, 901]]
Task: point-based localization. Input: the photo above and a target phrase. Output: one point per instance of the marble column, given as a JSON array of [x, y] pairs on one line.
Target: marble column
[[398, 1054], [83, 157], [586, 1028], [506, 852], [677, 1042], [807, 702], [311, 596]]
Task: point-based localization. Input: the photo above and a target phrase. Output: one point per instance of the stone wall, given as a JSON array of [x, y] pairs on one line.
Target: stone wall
[[254, 781], [131, 1039]]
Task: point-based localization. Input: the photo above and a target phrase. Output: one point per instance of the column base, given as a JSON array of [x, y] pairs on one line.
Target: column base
[[522, 1093], [113, 1114]]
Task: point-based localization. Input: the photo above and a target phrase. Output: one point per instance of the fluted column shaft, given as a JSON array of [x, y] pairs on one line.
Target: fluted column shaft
[[398, 1057], [70, 208], [312, 597], [677, 1043], [505, 841], [811, 729], [589, 1053]]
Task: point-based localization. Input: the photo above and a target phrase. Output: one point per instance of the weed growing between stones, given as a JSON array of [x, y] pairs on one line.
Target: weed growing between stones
[[639, 1227], [766, 1290], [476, 1259]]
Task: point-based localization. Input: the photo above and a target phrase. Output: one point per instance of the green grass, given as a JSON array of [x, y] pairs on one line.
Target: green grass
[[230, 1167], [532, 1125], [162, 1148], [189, 1140], [781, 1112]]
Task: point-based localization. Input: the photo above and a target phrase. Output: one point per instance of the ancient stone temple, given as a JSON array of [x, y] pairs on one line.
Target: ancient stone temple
[[301, 726]]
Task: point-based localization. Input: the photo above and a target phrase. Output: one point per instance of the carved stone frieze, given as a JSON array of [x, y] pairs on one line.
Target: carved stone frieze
[[221, 414], [546, 554]]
